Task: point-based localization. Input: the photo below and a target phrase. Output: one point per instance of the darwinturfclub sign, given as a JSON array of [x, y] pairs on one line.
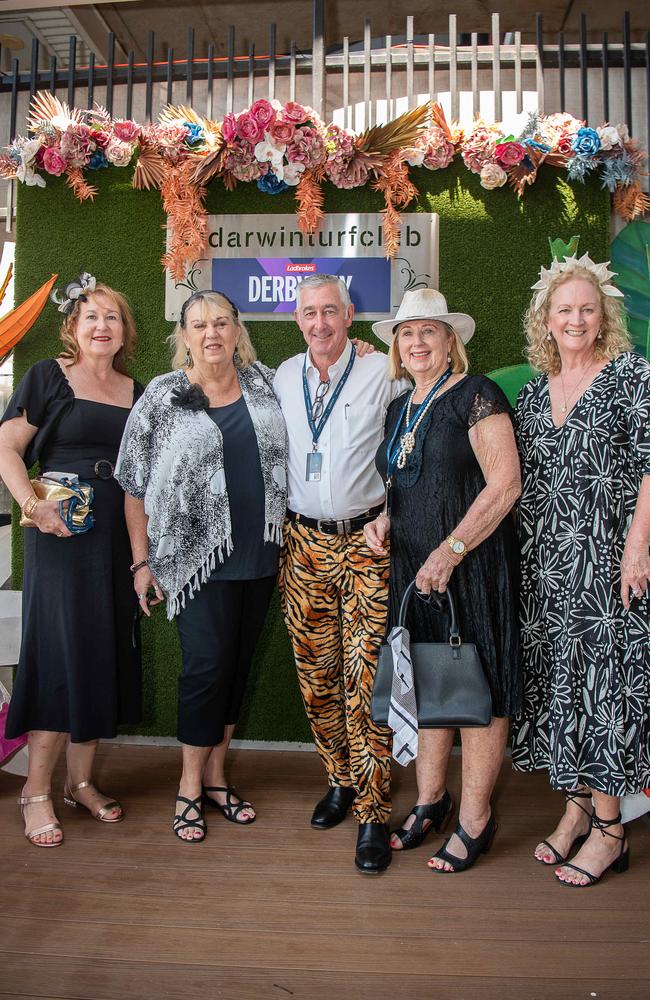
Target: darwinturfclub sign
[[259, 260]]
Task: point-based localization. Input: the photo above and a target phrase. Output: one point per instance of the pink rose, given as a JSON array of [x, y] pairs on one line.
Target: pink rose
[[118, 153], [126, 131], [294, 113], [263, 112], [53, 162], [282, 132], [248, 128], [229, 127], [508, 154]]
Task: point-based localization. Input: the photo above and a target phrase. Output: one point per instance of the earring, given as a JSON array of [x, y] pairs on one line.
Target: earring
[[189, 363], [236, 358], [448, 358], [599, 335], [548, 336]]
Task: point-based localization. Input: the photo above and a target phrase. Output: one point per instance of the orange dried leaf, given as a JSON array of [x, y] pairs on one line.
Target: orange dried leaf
[[81, 188], [150, 169], [310, 199]]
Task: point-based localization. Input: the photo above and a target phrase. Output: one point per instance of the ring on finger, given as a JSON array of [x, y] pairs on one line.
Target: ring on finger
[[142, 597]]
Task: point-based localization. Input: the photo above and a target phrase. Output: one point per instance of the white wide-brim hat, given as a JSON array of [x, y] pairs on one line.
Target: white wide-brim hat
[[425, 303]]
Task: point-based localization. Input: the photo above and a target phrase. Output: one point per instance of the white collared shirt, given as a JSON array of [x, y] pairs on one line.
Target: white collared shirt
[[349, 483]]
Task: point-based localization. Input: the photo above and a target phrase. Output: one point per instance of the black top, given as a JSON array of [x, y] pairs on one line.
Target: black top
[[45, 396], [250, 558], [428, 499]]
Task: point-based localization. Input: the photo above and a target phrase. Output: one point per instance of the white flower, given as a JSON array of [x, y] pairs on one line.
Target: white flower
[[61, 122], [27, 176], [414, 157], [609, 136], [492, 176], [25, 172], [267, 152], [623, 132], [292, 172]]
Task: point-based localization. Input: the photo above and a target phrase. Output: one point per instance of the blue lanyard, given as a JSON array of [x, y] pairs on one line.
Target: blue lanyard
[[316, 429], [394, 447]]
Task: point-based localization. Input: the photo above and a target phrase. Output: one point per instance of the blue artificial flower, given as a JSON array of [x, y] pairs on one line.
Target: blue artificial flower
[[617, 170], [579, 166], [97, 160], [194, 133], [536, 145], [270, 184], [586, 142]]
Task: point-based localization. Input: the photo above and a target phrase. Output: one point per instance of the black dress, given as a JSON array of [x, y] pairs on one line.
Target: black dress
[[428, 498], [79, 669]]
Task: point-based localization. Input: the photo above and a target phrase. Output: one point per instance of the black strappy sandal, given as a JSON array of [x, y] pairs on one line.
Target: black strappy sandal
[[183, 822], [475, 847], [558, 859], [438, 812], [620, 865], [230, 808]]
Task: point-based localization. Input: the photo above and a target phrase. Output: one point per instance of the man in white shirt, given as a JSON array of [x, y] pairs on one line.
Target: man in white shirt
[[334, 591]]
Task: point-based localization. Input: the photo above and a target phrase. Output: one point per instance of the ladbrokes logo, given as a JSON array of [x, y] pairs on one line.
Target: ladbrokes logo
[[300, 268]]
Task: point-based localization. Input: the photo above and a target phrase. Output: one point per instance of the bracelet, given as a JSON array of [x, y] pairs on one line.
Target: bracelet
[[136, 566], [29, 505]]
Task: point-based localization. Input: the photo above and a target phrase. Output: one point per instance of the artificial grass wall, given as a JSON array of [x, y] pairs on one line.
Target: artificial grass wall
[[491, 248]]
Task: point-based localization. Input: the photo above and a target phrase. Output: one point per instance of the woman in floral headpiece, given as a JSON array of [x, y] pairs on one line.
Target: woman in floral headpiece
[[79, 669], [584, 516]]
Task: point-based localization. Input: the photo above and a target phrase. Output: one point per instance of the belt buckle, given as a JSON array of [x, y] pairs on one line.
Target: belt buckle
[[343, 527], [104, 469]]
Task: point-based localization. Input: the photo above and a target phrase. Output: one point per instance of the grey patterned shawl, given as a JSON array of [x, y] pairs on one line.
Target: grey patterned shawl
[[172, 458]]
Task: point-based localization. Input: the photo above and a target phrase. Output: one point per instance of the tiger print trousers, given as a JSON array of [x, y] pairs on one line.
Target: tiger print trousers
[[334, 594]]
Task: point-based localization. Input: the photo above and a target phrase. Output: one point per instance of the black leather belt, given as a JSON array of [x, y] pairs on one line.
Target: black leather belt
[[332, 527], [101, 469]]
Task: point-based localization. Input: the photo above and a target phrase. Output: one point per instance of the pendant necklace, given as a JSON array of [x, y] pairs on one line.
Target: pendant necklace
[[575, 389]]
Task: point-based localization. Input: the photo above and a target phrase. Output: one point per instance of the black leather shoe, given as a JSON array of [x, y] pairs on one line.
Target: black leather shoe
[[333, 807], [373, 848]]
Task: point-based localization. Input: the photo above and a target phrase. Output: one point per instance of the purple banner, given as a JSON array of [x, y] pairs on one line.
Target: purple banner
[[268, 284]]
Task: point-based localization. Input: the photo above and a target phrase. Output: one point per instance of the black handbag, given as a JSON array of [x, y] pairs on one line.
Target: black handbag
[[450, 686]]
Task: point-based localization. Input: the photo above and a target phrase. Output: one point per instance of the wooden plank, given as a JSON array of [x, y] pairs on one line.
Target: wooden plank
[[108, 980]]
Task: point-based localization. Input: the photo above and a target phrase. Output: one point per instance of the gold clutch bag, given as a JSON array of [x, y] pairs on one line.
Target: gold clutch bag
[[75, 500]]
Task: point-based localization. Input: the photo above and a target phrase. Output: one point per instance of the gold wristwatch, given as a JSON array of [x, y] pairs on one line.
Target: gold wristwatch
[[457, 547]]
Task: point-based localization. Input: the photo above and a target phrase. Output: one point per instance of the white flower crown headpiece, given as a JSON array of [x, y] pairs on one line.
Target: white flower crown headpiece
[[74, 291], [569, 264]]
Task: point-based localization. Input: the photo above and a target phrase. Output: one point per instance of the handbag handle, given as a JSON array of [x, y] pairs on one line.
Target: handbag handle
[[454, 634]]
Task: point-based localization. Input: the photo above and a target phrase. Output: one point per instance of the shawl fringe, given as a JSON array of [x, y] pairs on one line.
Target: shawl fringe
[[176, 602]]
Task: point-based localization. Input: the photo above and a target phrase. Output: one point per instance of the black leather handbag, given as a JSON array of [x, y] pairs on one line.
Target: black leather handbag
[[450, 687]]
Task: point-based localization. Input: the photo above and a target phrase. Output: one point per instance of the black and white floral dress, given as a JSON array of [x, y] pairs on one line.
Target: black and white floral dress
[[586, 715]]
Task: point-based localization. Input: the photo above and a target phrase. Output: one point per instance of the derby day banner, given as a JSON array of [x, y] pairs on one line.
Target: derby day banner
[[482, 246]]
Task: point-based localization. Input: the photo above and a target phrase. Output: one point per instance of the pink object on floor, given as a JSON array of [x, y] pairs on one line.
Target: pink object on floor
[[7, 746]]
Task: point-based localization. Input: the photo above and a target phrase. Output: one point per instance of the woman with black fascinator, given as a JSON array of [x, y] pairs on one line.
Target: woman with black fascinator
[[203, 462]]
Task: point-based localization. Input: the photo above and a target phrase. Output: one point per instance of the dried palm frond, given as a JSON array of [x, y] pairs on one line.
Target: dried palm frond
[[526, 172], [310, 198], [438, 119], [398, 191], [171, 114], [150, 169], [384, 139], [630, 201], [45, 106], [81, 188], [100, 115], [209, 166]]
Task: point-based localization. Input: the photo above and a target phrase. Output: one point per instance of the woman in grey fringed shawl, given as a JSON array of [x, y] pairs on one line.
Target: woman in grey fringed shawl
[[203, 463]]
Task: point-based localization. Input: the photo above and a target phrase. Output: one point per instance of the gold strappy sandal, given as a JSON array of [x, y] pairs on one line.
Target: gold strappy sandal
[[101, 813], [27, 800]]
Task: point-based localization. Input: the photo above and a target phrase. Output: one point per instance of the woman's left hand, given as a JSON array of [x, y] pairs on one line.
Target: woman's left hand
[[635, 572], [436, 571], [362, 347]]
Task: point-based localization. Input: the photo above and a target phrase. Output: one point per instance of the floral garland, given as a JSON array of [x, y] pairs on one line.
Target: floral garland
[[286, 146]]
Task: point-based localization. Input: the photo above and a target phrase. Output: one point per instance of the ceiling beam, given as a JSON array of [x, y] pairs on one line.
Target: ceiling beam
[[25, 5]]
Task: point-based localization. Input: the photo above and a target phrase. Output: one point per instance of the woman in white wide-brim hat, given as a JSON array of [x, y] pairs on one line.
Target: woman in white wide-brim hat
[[452, 473]]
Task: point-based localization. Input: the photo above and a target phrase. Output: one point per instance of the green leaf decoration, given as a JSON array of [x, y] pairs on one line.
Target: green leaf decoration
[[561, 250], [631, 262], [512, 379]]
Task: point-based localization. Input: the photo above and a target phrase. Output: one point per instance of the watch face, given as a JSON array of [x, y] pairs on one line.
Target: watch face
[[458, 548]]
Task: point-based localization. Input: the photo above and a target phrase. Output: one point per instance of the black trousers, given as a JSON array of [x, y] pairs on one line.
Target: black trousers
[[218, 632]]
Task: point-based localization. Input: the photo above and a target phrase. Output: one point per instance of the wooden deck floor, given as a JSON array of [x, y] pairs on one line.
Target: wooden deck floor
[[277, 909]]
